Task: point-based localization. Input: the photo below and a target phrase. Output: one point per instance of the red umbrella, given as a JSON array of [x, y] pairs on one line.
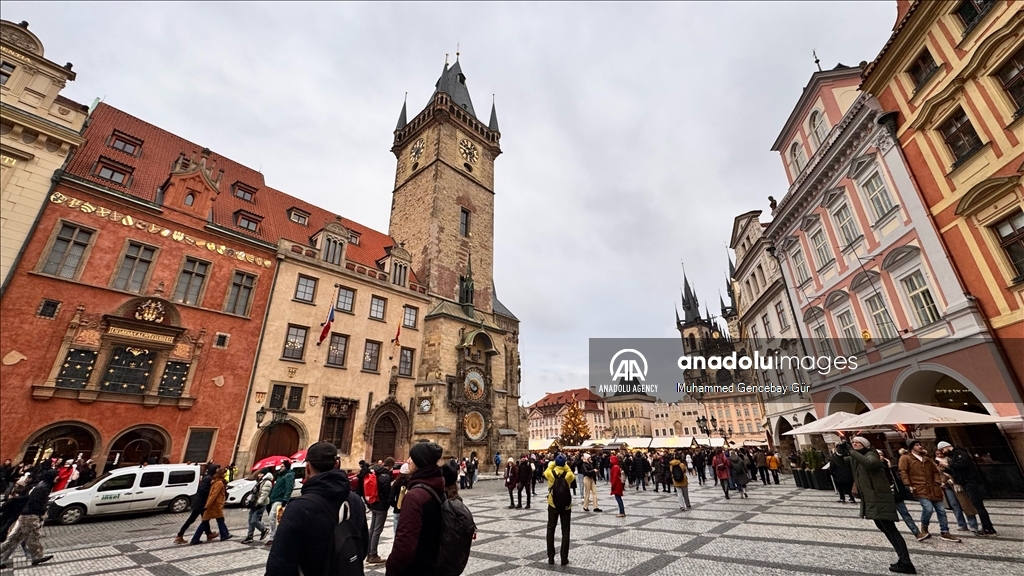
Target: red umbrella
[[299, 456], [269, 462]]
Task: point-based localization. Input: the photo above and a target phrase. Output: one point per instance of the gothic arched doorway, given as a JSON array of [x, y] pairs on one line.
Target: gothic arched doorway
[[138, 446], [61, 441], [384, 435], [278, 440]]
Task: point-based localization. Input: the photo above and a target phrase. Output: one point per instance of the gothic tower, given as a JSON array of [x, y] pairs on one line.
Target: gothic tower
[[442, 210]]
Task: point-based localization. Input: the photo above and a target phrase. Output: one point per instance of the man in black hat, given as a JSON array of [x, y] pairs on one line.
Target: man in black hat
[[418, 538], [304, 537]]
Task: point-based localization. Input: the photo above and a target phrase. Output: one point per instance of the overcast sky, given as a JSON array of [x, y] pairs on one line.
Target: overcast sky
[[632, 134]]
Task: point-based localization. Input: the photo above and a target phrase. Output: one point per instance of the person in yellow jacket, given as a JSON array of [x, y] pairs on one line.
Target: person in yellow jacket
[[773, 465], [677, 468], [561, 511]]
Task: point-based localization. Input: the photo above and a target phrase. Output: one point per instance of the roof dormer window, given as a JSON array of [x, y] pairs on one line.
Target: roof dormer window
[[124, 143], [298, 216], [247, 221], [242, 191], [353, 238]]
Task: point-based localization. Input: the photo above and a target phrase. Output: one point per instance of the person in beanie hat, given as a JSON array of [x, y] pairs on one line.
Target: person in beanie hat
[[922, 477], [876, 500], [554, 470], [965, 473], [418, 538], [306, 531]]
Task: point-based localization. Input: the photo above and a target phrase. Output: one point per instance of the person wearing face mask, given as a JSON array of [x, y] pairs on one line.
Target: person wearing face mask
[[876, 500]]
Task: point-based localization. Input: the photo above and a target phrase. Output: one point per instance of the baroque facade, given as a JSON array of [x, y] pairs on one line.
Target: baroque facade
[[39, 132]]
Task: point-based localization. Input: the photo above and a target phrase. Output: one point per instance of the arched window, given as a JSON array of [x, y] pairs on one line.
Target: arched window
[[819, 130], [631, 413], [796, 158], [190, 199], [633, 431]]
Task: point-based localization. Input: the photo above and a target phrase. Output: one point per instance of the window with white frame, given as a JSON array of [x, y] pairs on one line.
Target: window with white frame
[[878, 195], [921, 299], [851, 335], [821, 251], [846, 225], [821, 335], [797, 159], [880, 318], [800, 265], [819, 129]]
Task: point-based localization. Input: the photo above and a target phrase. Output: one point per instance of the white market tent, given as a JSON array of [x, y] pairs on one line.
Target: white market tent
[[669, 442], [917, 415], [636, 442], [542, 444], [826, 424]]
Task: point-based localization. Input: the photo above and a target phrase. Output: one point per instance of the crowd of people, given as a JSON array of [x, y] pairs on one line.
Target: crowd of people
[[339, 521]]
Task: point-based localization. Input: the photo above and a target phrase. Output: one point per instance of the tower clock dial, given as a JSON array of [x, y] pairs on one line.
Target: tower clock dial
[[425, 405], [468, 151], [474, 385], [417, 150]]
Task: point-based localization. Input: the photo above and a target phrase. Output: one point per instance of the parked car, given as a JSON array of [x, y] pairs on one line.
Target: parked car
[[397, 468], [240, 491], [125, 490]]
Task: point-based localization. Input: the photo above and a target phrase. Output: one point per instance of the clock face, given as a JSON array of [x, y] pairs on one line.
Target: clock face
[[468, 151], [474, 385], [425, 405], [715, 335], [417, 150]]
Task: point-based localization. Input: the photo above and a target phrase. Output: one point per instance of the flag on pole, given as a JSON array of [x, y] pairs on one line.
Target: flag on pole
[[394, 340], [327, 327]]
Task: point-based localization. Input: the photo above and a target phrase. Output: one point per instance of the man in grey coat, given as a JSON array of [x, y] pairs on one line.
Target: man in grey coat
[[876, 500]]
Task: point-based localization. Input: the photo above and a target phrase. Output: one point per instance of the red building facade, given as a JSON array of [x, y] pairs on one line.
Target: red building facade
[[131, 321]]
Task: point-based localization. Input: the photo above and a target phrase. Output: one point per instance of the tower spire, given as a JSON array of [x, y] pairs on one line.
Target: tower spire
[[401, 117], [493, 124]]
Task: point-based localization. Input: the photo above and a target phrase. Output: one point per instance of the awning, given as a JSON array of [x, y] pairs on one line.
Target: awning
[[755, 443], [820, 426], [917, 415]]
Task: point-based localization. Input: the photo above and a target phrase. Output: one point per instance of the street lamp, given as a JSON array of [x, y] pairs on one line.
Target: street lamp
[[277, 416]]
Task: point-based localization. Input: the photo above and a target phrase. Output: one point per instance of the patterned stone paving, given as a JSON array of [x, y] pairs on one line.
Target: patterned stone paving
[[778, 530]]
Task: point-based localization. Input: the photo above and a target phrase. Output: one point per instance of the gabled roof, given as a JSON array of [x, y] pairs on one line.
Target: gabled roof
[[500, 308], [565, 396], [739, 224], [161, 148], [807, 96]]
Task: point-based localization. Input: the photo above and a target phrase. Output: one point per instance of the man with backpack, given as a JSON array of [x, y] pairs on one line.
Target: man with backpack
[[418, 538], [377, 493], [559, 476], [680, 481], [259, 500], [323, 532]]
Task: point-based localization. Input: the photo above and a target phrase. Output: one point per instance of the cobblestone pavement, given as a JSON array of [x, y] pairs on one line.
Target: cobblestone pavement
[[779, 530]]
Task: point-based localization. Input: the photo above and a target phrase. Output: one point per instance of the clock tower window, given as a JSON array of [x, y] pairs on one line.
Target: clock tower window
[[464, 222]]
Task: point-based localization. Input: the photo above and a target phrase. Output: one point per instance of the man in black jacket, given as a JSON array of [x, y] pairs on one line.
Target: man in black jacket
[[965, 472], [305, 536], [29, 526], [198, 505], [525, 481]]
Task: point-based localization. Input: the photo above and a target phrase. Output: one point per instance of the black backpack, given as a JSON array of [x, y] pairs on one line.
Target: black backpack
[[347, 550], [677, 473], [457, 532], [561, 497]]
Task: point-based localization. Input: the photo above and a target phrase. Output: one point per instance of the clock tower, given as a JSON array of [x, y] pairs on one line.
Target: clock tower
[[442, 211]]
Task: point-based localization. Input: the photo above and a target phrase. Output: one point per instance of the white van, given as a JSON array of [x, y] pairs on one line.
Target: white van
[[125, 490], [240, 491]]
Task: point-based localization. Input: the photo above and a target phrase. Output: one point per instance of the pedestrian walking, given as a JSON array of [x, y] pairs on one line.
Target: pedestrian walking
[[306, 535], [739, 472], [876, 500], [680, 482], [956, 498], [700, 468], [900, 494], [772, 459], [497, 463], [511, 480], [923, 479], [559, 477], [965, 472], [524, 481], [618, 481], [258, 504], [842, 474], [280, 495], [418, 539], [761, 461], [198, 505], [214, 510], [723, 468], [378, 505], [27, 530]]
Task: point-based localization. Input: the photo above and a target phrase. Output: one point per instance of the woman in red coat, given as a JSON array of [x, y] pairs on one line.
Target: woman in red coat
[[617, 484], [721, 465], [63, 475]]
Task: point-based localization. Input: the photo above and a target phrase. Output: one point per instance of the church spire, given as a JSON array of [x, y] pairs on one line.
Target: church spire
[[691, 308], [732, 266], [453, 83], [401, 117], [493, 124]]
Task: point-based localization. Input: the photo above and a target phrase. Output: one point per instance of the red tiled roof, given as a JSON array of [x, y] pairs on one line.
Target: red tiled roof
[[161, 148], [564, 397]]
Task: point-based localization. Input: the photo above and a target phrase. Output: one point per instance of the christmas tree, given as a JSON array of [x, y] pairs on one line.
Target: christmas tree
[[575, 429]]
